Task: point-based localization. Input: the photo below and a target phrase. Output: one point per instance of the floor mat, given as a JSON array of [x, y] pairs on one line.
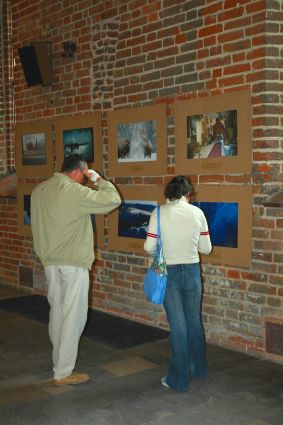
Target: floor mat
[[105, 329]]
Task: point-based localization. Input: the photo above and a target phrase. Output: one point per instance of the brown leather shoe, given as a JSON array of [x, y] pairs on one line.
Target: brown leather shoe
[[73, 379]]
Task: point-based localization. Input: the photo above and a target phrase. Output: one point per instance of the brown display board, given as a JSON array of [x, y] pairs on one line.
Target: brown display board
[[34, 149], [213, 134], [137, 141], [79, 134], [228, 210]]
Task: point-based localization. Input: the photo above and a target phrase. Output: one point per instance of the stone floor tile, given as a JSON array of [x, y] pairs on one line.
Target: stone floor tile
[[25, 393], [128, 366]]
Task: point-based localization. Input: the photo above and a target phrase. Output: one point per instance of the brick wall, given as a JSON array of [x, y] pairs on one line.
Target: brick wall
[[139, 52], [7, 153], [2, 160]]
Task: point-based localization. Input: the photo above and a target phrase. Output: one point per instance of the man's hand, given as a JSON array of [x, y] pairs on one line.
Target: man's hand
[[93, 176]]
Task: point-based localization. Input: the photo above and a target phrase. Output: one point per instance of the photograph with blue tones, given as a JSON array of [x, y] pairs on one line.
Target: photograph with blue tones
[[27, 215], [134, 218], [79, 140], [222, 219]]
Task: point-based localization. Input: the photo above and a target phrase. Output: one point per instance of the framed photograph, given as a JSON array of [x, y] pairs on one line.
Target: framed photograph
[[34, 148], [79, 134], [137, 141], [228, 211], [24, 216], [128, 224], [213, 134]]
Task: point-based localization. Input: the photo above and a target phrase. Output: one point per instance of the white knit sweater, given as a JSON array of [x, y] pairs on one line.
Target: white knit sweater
[[184, 232]]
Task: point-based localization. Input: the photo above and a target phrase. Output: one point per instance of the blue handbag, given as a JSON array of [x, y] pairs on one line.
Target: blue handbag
[[155, 278]]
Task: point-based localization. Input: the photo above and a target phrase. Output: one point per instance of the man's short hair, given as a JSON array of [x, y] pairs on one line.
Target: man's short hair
[[73, 162]]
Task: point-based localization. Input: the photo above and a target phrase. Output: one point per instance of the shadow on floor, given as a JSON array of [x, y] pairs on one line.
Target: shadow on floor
[[108, 330]]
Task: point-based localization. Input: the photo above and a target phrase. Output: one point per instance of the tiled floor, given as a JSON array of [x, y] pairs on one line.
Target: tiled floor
[[125, 388]]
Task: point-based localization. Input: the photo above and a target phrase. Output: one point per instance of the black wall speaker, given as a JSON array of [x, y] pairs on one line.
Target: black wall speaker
[[37, 63]]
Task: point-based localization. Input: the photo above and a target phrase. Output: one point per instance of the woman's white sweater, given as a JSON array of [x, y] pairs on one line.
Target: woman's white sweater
[[184, 232]]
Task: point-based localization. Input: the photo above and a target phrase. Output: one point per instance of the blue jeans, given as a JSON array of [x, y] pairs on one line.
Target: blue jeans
[[182, 304]]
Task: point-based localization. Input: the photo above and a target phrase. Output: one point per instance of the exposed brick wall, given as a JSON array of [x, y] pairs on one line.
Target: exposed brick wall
[[138, 52], [7, 151], [11, 245], [2, 149]]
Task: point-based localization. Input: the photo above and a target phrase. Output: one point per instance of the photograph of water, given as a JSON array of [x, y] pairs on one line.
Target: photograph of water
[[222, 219], [134, 217]]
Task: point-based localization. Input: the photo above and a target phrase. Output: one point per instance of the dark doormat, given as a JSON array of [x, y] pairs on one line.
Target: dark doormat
[[105, 329]]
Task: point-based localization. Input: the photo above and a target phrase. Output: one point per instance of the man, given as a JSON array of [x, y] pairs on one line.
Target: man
[[63, 240]]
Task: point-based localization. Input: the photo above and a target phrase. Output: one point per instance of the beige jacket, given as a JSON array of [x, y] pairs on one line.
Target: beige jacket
[[60, 219]]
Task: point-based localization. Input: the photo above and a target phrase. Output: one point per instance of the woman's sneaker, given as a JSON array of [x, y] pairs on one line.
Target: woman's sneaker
[[163, 382]]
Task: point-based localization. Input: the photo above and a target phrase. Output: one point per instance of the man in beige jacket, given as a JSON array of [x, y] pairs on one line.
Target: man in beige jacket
[[63, 240]]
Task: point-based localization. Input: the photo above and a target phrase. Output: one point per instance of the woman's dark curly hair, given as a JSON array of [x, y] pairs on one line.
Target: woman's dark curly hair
[[178, 187]]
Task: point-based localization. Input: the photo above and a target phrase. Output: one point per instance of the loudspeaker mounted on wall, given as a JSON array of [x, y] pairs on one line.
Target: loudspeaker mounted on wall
[[37, 63]]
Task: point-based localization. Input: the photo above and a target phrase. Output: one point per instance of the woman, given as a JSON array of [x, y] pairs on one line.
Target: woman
[[184, 233]]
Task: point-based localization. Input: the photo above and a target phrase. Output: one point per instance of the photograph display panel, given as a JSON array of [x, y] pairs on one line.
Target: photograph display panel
[[128, 224], [79, 134], [228, 211], [137, 140], [213, 134], [24, 216], [34, 148]]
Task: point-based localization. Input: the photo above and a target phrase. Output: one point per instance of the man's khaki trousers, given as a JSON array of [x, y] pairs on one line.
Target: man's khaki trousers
[[68, 298]]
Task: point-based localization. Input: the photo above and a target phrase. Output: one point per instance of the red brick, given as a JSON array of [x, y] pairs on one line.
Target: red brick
[[152, 7], [211, 30], [258, 41], [231, 14], [209, 41], [279, 223], [234, 274], [237, 45], [237, 23], [268, 156], [230, 36], [180, 38], [256, 6], [211, 179], [210, 20], [231, 81], [237, 69], [210, 10], [276, 234], [238, 179], [203, 53]]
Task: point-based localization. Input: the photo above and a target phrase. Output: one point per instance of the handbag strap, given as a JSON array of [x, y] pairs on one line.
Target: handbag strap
[[158, 221], [158, 240]]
